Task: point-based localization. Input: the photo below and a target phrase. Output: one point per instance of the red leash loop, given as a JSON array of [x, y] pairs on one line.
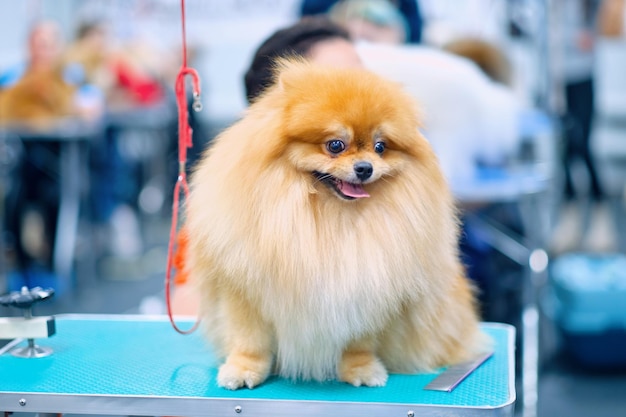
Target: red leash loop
[[184, 142], [184, 131]]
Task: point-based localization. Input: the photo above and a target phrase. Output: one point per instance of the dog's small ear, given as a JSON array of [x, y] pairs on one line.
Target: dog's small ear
[[287, 71], [280, 83]]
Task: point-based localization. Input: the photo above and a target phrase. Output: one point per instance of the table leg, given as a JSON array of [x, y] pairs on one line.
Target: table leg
[[69, 205], [535, 218]]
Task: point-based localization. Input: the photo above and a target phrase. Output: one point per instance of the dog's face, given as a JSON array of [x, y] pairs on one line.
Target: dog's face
[[346, 160], [349, 132], [349, 162]]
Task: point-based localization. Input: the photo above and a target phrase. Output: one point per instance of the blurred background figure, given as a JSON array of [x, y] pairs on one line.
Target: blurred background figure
[[40, 90], [611, 18], [37, 95], [43, 51], [88, 55], [372, 20], [396, 20], [585, 221], [136, 83], [130, 73]]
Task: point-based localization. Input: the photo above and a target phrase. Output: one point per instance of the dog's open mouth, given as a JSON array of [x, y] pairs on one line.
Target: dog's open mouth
[[346, 190]]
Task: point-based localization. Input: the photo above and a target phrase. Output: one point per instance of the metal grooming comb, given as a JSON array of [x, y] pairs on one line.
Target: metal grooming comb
[[455, 374]]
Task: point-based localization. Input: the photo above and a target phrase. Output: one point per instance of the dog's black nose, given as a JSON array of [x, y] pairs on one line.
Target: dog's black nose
[[363, 170]]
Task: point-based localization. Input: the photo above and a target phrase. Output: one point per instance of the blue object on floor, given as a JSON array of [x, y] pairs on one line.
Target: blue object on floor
[[589, 307]]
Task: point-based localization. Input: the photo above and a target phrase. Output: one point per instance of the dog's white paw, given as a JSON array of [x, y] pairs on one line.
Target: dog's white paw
[[371, 373], [233, 377]]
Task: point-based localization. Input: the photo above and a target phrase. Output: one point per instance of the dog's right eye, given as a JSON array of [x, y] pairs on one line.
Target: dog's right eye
[[335, 146]]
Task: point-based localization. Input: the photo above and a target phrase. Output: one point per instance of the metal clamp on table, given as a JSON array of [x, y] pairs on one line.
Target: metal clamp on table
[[27, 327]]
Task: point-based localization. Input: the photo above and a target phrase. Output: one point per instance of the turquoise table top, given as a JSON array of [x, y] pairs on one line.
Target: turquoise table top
[[138, 365]]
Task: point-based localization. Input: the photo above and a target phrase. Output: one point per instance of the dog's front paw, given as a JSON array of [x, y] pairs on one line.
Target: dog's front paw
[[239, 371], [362, 369]]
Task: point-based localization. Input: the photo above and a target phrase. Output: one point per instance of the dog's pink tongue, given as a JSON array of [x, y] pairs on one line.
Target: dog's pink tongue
[[352, 190]]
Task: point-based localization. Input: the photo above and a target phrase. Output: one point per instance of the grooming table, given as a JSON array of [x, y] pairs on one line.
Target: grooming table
[[138, 365]]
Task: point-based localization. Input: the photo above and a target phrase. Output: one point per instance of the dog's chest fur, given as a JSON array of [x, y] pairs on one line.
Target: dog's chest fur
[[331, 290]]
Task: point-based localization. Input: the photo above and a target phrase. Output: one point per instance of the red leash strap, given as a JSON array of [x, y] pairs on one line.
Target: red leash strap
[[184, 142]]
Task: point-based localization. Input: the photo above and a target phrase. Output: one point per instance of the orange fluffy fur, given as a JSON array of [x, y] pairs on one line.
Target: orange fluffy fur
[[295, 279], [38, 100]]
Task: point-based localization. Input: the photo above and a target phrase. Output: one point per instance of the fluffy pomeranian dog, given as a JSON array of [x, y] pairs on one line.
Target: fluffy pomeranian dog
[[323, 237]]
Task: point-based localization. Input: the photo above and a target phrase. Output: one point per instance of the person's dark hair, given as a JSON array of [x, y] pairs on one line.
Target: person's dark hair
[[297, 39], [87, 28]]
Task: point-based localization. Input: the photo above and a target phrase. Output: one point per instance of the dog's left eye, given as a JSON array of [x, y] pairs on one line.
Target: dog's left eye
[[335, 146], [379, 147]]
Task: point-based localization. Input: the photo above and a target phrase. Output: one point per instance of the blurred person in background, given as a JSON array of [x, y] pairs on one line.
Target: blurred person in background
[[131, 74], [91, 55], [35, 96], [133, 78], [611, 18], [42, 89], [403, 13], [371, 20], [580, 31], [88, 55]]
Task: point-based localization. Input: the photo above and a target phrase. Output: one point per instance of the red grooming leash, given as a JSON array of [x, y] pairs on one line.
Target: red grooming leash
[[184, 142]]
